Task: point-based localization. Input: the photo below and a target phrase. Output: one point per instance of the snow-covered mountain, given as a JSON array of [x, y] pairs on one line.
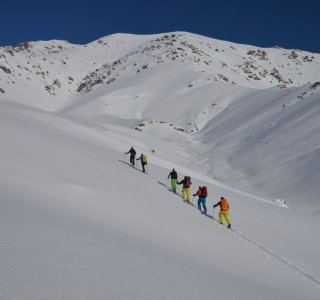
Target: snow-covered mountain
[[61, 71], [252, 113], [77, 222]]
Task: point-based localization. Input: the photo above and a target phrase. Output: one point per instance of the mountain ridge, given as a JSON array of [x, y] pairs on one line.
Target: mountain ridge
[[101, 62]]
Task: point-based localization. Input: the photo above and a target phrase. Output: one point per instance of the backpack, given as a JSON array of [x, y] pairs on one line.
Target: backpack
[[204, 192], [144, 158], [188, 181]]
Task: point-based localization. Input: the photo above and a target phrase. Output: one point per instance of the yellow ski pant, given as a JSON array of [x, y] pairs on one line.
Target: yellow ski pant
[[225, 214], [187, 192]]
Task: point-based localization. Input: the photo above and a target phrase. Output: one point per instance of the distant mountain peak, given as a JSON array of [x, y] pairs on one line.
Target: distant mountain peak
[[47, 69]]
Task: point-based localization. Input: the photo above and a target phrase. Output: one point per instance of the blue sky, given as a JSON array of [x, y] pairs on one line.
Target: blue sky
[[287, 23]]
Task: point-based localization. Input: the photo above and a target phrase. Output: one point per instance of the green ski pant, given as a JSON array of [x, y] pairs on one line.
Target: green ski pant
[[174, 184]]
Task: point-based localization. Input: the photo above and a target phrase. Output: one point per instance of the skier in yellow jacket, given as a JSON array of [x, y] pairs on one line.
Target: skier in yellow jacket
[[224, 210], [144, 161]]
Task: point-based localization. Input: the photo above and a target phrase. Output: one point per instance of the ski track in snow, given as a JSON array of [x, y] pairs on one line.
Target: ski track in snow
[[271, 254]]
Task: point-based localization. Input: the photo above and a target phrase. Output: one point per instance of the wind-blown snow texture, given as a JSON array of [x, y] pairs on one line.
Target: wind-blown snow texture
[[78, 223]]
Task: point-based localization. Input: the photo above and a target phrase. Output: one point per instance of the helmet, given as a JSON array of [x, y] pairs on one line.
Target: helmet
[[173, 170]]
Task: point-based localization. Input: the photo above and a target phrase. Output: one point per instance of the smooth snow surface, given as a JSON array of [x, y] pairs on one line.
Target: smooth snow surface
[[77, 222]]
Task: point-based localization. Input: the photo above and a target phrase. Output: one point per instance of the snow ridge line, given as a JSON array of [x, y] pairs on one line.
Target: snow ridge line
[[268, 251]]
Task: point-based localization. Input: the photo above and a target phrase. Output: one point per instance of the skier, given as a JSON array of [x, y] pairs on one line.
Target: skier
[[224, 208], [132, 156], [202, 194], [186, 187], [174, 176], [144, 161]]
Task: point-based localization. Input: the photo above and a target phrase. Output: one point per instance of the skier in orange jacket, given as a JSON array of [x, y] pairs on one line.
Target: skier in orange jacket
[[224, 210]]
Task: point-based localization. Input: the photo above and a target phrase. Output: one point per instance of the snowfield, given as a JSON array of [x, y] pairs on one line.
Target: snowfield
[[77, 222]]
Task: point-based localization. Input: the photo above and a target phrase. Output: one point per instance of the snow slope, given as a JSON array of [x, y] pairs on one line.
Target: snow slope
[[271, 144], [78, 223]]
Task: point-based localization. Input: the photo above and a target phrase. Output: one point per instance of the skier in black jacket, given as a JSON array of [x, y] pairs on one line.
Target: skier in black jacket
[[186, 187], [132, 156], [174, 176]]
